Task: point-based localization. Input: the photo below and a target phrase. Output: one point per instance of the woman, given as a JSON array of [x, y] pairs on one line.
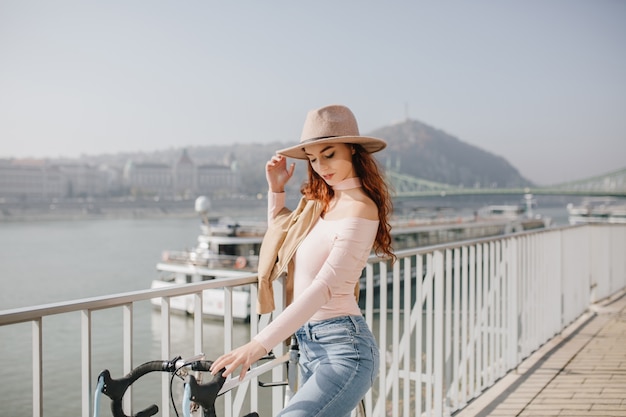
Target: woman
[[339, 358]]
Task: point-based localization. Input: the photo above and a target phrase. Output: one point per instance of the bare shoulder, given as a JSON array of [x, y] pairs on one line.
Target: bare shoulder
[[366, 208], [356, 205]]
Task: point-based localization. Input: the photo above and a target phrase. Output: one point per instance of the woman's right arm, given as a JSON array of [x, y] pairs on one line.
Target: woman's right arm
[[277, 176]]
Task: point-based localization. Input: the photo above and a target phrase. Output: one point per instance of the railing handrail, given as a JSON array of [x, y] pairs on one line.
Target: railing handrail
[[422, 250], [24, 314]]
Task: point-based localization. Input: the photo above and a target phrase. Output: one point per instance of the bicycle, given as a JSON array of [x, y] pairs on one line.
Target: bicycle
[[197, 394]]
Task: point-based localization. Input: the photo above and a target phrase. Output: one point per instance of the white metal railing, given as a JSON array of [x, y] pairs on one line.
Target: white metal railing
[[450, 321], [482, 307]]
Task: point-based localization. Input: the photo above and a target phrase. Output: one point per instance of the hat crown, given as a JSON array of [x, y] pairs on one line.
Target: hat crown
[[329, 121], [331, 124]]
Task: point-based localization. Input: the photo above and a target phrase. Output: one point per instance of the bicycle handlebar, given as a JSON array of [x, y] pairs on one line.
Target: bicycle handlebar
[[115, 388], [203, 394]]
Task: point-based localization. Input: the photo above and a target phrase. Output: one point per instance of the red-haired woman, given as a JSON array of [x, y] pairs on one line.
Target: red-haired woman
[[343, 215]]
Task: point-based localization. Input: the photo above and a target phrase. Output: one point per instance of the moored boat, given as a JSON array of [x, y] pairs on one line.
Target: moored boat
[[521, 213], [598, 210], [224, 249], [229, 249]]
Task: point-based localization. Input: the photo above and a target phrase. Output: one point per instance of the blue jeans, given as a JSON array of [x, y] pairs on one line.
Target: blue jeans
[[339, 361]]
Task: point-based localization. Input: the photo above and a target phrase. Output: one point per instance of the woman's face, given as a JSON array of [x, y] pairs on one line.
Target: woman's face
[[331, 161]]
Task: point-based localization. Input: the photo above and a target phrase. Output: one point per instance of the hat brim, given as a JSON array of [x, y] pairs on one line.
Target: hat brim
[[370, 144]]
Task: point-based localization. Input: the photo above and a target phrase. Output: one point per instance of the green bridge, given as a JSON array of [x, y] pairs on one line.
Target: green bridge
[[612, 184]]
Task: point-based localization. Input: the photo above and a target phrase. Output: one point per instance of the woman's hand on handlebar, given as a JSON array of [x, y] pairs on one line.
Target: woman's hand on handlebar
[[243, 356]]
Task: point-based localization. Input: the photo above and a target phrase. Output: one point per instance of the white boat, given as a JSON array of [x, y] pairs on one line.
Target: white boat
[[225, 249], [520, 215], [230, 249], [598, 210]]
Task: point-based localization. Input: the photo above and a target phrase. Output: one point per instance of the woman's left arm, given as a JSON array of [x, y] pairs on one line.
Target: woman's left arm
[[351, 241], [339, 272]]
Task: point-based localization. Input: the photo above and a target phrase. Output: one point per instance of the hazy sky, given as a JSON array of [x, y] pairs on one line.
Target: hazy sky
[[541, 83]]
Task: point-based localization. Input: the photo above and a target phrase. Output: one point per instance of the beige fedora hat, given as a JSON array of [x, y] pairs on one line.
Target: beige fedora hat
[[331, 124]]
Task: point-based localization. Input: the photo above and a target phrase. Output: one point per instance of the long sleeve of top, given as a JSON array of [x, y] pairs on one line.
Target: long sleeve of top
[[275, 203], [328, 265]]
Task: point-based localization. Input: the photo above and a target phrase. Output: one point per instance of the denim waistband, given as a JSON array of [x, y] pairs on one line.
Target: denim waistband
[[357, 322]]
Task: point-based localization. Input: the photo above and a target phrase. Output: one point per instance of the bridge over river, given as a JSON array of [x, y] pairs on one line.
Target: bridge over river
[[612, 184]]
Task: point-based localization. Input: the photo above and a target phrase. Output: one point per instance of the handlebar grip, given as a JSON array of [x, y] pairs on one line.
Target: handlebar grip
[[206, 394], [115, 388]]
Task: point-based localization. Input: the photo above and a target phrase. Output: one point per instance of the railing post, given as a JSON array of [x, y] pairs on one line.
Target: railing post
[[382, 334], [278, 393], [478, 321], [127, 340], [198, 329], [438, 371], [37, 338], [165, 354], [85, 360], [429, 284], [464, 312], [447, 323], [456, 338], [471, 321], [512, 297], [395, 337], [407, 312], [254, 330], [492, 313], [484, 316], [419, 333]]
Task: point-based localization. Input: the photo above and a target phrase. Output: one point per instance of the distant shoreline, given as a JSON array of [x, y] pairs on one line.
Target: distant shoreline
[[105, 209], [245, 208]]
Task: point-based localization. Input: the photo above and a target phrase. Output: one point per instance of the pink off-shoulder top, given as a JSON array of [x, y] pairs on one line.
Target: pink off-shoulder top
[[328, 265]]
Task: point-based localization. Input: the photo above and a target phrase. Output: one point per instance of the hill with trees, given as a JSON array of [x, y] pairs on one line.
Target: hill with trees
[[422, 151]]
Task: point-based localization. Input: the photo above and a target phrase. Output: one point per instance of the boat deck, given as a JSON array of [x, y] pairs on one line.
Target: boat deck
[[581, 372]]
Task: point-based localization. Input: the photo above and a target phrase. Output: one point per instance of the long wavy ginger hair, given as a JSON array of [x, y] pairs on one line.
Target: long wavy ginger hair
[[374, 185]]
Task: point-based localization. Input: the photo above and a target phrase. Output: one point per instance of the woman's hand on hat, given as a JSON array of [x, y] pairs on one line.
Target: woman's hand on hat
[[277, 174]]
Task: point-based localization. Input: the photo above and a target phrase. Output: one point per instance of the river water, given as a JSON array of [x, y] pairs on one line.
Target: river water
[[47, 262], [54, 261]]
